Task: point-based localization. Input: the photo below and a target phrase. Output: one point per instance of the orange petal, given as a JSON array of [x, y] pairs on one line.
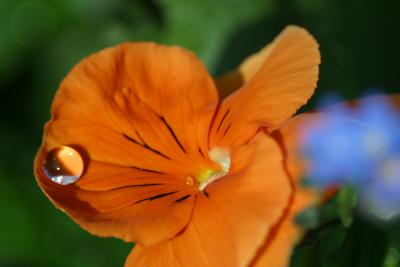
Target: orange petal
[[278, 248], [277, 251], [253, 199], [139, 113], [277, 82], [289, 137], [207, 241], [112, 200], [139, 91]]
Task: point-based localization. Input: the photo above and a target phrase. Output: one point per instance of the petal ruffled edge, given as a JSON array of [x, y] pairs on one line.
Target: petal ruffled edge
[[256, 197], [279, 80], [278, 247], [206, 241]]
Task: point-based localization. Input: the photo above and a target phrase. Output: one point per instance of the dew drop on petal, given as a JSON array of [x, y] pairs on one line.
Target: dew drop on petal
[[63, 165], [189, 180]]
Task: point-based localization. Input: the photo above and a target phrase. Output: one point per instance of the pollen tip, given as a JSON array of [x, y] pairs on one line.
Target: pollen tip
[[221, 156]]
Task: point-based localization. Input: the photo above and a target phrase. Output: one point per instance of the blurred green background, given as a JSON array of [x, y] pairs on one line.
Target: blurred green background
[[41, 40]]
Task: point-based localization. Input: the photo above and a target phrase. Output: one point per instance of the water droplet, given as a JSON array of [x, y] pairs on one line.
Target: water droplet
[[189, 180], [63, 165]]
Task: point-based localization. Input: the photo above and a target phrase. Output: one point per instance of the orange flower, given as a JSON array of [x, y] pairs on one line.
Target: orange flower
[[162, 163]]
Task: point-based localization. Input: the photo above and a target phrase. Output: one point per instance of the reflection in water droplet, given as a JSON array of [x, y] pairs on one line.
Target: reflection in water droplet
[[189, 180], [63, 165]]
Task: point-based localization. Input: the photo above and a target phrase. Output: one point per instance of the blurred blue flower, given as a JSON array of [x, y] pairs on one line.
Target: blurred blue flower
[[359, 146], [381, 196]]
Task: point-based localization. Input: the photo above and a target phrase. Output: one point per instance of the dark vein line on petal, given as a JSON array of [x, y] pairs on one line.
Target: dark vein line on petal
[[227, 129], [157, 196], [140, 137], [172, 133], [201, 152], [144, 145], [146, 170], [137, 185], [222, 120], [182, 198]]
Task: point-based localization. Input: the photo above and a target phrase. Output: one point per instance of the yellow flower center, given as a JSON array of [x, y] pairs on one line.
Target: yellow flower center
[[221, 156]]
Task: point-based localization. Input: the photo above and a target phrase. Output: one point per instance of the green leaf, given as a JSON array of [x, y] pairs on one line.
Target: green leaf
[[392, 258], [366, 245], [346, 202], [308, 218]]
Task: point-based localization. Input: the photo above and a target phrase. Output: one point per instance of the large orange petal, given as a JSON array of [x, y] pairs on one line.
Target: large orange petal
[[112, 200], [207, 241], [253, 199], [157, 97], [277, 82], [139, 114], [278, 248]]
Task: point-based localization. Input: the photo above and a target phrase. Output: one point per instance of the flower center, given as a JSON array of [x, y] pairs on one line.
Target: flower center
[[221, 156]]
